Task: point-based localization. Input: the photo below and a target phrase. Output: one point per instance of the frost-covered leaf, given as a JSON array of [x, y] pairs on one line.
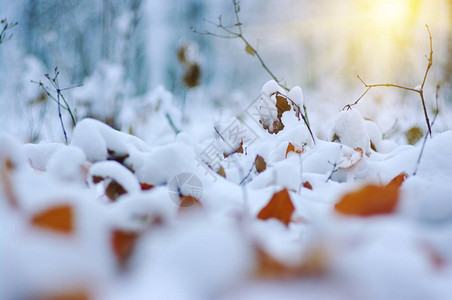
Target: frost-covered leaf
[[350, 158], [59, 219], [279, 207]]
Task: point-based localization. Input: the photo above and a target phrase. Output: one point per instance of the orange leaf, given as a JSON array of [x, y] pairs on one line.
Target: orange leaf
[[68, 295], [372, 199], [187, 201], [307, 185], [239, 149], [123, 244], [314, 263], [145, 186], [291, 148], [279, 207], [268, 267], [260, 164], [59, 219], [398, 180], [368, 201], [114, 190], [350, 159]]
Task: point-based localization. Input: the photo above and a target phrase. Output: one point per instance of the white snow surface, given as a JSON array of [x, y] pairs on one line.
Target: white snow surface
[[208, 251]]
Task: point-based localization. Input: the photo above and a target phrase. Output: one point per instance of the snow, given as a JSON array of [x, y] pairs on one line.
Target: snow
[[296, 95], [210, 251], [349, 129], [148, 135], [117, 172]]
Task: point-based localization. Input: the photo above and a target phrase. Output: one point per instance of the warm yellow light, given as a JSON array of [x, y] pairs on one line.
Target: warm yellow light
[[392, 12]]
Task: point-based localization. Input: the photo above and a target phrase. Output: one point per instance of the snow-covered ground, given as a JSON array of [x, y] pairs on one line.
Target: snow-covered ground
[[214, 206]]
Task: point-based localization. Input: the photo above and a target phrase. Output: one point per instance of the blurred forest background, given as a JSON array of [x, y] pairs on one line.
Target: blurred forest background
[[124, 50]]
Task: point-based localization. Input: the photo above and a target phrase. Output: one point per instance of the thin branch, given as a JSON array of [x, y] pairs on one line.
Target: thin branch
[[239, 34], [6, 26], [59, 97], [170, 121], [425, 138], [249, 172], [334, 170], [420, 91]]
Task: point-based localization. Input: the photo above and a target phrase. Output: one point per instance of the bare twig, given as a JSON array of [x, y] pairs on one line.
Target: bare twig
[[425, 138], [419, 91], [334, 170], [170, 121], [6, 26], [249, 172], [59, 97], [238, 34]]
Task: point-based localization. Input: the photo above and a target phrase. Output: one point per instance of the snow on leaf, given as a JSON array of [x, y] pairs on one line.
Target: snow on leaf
[[239, 149], [279, 207], [59, 219], [189, 201], [350, 158], [314, 263], [114, 190], [292, 148]]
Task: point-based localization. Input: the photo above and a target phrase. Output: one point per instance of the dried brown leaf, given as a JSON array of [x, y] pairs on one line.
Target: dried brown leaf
[[279, 207], [123, 244], [372, 199], [307, 185], [114, 190], [260, 164], [146, 187], [59, 219]]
